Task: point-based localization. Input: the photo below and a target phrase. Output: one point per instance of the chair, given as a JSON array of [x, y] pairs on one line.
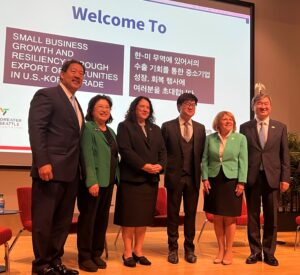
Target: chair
[[5, 236], [160, 218], [208, 218], [241, 220], [24, 201], [297, 230]]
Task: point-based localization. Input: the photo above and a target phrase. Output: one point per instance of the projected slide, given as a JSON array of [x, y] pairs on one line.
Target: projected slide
[[166, 75], [154, 48], [35, 59]]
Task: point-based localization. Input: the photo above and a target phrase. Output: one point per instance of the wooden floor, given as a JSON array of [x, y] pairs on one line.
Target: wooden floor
[[155, 248]]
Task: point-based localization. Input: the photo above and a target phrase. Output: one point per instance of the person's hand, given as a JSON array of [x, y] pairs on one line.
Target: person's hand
[[206, 186], [45, 172], [239, 189], [284, 186], [152, 168], [157, 167], [94, 190]]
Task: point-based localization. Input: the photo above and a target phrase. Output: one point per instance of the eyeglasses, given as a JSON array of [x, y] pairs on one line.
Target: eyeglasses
[[190, 104]]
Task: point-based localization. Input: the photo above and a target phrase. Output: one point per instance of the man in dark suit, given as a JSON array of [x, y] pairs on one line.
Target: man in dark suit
[[184, 139], [268, 172], [55, 120]]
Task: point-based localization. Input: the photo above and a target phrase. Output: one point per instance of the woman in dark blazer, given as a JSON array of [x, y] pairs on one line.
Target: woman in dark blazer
[[225, 162], [100, 154], [143, 157]]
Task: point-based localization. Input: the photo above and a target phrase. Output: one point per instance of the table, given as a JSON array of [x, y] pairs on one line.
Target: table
[[7, 212], [10, 212]]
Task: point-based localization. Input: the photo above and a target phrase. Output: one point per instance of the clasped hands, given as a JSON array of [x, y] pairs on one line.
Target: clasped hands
[[152, 168]]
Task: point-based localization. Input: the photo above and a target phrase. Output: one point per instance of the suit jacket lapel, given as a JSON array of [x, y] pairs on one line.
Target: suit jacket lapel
[[69, 108], [271, 129], [98, 132], [196, 137], [141, 133], [149, 137], [177, 133], [254, 133], [80, 110]]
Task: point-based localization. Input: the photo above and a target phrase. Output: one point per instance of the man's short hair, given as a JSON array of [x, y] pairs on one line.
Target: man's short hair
[[67, 63], [258, 97], [185, 97]]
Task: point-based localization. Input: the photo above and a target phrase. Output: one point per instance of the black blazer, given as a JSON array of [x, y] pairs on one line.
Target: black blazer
[[275, 154], [136, 150], [172, 136], [54, 134]]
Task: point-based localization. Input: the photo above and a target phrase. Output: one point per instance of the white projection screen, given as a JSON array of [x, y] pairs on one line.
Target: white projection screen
[[154, 48]]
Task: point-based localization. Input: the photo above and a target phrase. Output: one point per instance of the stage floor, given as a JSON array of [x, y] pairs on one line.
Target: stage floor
[[155, 248]]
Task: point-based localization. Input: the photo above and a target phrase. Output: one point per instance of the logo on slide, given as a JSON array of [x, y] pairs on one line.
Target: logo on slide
[[3, 110]]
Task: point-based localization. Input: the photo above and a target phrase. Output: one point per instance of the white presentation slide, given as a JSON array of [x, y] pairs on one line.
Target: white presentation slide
[[159, 49]]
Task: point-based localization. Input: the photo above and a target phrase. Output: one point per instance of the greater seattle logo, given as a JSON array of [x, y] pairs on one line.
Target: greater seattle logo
[[3, 110]]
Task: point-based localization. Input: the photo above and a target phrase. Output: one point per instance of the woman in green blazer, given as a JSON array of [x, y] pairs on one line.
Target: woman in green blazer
[[224, 174], [100, 157]]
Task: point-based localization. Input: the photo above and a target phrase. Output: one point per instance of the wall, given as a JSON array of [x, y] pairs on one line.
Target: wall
[[277, 61]]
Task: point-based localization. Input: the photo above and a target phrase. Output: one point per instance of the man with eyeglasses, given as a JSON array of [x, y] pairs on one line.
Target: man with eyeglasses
[[184, 139]]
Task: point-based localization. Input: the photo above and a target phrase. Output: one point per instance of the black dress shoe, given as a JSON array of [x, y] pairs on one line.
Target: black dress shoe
[[63, 270], [173, 257], [88, 265], [129, 262], [190, 258], [46, 271], [271, 261], [99, 262], [142, 259], [254, 258]]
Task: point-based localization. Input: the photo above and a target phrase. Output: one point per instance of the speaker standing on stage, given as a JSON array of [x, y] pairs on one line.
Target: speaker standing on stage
[[268, 173], [224, 164], [143, 157], [55, 120], [184, 139], [100, 154]]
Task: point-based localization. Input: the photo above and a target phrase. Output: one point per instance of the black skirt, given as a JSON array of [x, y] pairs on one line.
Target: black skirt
[[135, 203], [222, 199]]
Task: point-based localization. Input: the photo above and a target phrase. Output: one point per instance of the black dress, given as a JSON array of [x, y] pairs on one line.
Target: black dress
[[222, 199]]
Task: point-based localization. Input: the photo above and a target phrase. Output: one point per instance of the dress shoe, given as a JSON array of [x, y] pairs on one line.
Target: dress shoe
[[63, 270], [46, 271], [99, 262], [271, 261], [142, 259], [129, 262], [173, 257], [217, 261], [190, 258], [88, 265], [254, 258], [226, 262]]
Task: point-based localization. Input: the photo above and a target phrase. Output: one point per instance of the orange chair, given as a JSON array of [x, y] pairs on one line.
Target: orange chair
[[208, 218], [5, 236], [24, 201], [297, 230], [160, 218], [241, 220]]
